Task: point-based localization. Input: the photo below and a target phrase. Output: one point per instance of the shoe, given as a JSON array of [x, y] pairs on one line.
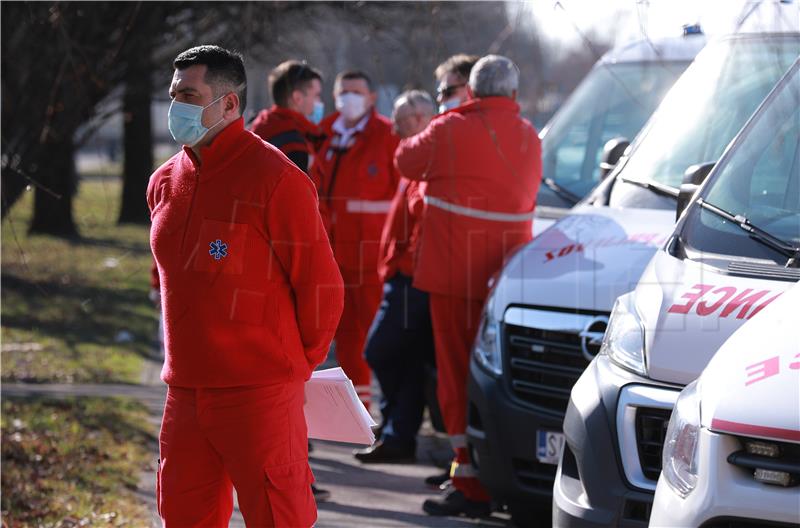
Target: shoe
[[453, 503], [382, 453], [436, 481], [320, 495]]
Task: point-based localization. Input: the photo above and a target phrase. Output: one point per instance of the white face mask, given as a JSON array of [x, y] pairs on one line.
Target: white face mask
[[351, 105]]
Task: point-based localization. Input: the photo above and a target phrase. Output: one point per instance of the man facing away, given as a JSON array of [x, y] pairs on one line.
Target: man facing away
[[482, 165], [401, 346], [291, 124], [356, 179], [251, 296]]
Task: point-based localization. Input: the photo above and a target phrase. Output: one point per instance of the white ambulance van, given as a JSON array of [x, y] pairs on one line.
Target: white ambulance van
[[611, 104], [734, 251], [732, 451], [548, 310]]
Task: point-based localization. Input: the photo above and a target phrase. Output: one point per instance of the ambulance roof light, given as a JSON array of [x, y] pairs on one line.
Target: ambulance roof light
[[692, 29]]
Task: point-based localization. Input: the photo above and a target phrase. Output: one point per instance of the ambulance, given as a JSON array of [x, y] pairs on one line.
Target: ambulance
[[548, 309], [732, 450], [734, 252], [612, 103]]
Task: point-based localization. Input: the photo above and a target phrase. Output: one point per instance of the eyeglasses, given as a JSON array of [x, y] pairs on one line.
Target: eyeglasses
[[449, 91]]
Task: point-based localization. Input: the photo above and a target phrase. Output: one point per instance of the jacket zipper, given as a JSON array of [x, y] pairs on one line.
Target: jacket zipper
[[191, 209]]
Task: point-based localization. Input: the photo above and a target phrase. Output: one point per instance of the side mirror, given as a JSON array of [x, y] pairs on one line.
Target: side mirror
[[692, 178], [612, 152]]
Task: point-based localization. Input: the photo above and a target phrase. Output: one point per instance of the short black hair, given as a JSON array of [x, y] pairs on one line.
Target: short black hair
[[223, 67], [354, 74], [289, 76], [460, 64]]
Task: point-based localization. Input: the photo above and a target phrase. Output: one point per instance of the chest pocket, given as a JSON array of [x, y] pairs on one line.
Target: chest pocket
[[220, 247]]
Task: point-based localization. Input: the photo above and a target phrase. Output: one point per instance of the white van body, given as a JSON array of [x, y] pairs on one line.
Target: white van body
[[748, 398]]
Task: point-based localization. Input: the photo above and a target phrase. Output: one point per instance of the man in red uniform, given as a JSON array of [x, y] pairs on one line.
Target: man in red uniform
[[291, 124], [401, 346], [482, 165], [251, 297], [356, 179]]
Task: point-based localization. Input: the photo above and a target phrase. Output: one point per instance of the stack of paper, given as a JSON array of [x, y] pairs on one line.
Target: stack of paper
[[334, 411]]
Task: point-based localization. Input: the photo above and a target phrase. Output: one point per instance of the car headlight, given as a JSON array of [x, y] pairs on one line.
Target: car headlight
[[624, 338], [679, 458], [487, 343]]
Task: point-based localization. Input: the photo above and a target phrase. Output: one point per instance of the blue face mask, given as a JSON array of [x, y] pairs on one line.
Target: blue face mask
[[186, 122], [453, 102], [318, 113]]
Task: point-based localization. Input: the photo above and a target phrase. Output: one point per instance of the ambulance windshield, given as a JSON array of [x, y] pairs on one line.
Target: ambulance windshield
[[759, 179], [614, 100], [703, 112]]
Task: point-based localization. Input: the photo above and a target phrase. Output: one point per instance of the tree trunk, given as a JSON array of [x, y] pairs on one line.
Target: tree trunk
[[138, 141], [52, 201]]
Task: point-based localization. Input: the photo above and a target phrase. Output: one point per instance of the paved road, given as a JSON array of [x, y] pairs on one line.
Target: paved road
[[381, 495]]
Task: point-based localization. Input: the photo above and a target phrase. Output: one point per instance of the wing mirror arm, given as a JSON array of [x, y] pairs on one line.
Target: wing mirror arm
[[694, 176]]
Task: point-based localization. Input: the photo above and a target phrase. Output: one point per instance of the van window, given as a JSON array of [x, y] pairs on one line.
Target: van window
[[702, 114], [759, 179], [614, 100]]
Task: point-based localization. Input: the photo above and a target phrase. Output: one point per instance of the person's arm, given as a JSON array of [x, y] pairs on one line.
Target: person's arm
[[414, 156], [301, 245]]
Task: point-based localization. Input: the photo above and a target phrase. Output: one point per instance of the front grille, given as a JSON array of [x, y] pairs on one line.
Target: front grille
[[543, 366], [731, 522], [651, 430], [535, 475], [787, 459]]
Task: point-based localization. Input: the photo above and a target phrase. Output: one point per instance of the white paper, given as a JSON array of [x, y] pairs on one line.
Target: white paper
[[334, 411]]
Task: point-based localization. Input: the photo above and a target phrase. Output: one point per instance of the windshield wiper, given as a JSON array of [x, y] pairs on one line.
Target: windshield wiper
[[561, 191], [756, 233], [660, 189]]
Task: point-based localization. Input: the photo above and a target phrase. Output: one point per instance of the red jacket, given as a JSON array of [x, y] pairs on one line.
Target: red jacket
[[356, 187], [483, 165], [250, 291], [401, 232], [290, 132]]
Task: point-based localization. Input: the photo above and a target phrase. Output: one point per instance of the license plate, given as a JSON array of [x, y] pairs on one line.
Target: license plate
[[549, 446]]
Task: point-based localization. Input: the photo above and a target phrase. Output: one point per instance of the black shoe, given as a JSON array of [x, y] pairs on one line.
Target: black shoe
[[320, 495], [381, 453], [436, 481], [453, 503]]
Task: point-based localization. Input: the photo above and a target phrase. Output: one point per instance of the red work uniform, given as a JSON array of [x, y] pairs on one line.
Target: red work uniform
[[356, 180], [482, 163], [290, 132], [251, 297]]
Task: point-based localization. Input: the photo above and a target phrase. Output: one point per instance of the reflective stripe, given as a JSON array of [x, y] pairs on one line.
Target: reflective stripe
[[369, 206], [477, 213], [458, 441], [462, 471]]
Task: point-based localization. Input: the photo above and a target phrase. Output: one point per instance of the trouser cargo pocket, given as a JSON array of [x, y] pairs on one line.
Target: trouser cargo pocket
[[289, 493]]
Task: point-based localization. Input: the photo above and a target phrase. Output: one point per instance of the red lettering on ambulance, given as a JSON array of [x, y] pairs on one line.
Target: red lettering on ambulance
[[703, 308], [691, 298], [745, 300], [763, 305], [763, 369], [795, 365]]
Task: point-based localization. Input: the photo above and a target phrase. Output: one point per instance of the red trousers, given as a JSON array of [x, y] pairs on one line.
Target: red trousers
[[361, 301], [253, 439], [455, 325]]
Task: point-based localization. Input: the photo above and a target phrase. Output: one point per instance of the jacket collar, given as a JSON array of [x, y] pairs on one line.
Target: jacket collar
[[298, 119], [487, 103], [222, 149]]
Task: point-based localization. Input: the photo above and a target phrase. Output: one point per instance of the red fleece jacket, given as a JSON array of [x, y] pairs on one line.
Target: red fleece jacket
[[250, 289]]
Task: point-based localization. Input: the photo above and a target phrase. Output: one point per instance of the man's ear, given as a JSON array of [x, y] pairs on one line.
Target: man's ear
[[232, 104], [373, 98], [514, 95], [470, 95]]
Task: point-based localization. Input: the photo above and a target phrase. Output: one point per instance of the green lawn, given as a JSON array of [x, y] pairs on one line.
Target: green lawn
[[76, 311], [74, 462]]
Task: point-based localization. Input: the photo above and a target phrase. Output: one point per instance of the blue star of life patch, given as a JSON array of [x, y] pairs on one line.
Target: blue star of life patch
[[219, 249]]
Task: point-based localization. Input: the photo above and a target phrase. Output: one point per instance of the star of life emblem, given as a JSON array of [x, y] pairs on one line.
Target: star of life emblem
[[219, 249]]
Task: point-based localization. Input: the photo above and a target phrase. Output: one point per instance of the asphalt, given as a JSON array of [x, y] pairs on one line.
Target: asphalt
[[374, 495]]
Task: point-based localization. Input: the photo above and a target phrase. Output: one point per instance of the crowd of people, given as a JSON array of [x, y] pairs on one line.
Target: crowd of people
[[378, 234]]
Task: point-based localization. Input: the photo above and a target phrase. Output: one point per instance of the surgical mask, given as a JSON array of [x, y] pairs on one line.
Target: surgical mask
[[351, 105], [186, 122], [453, 102], [317, 113]]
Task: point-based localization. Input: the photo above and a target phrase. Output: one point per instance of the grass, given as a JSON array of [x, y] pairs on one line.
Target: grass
[[76, 310], [74, 462]]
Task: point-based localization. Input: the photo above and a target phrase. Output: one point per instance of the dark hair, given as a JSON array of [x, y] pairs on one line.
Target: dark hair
[[224, 67], [290, 76], [460, 65], [354, 74]]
